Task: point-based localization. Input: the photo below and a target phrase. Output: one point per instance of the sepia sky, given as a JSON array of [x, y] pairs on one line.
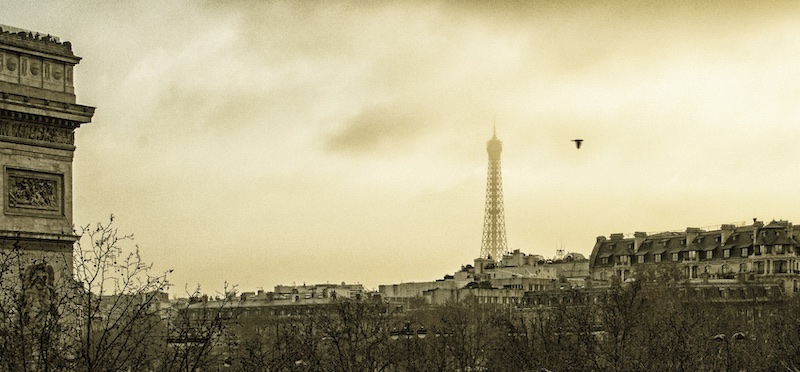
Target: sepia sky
[[275, 142]]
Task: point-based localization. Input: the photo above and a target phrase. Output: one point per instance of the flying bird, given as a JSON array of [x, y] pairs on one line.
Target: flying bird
[[577, 143]]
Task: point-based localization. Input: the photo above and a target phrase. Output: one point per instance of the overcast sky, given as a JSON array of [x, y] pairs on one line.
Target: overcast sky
[[265, 143]]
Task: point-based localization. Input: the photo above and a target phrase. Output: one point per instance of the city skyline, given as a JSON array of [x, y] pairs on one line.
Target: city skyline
[[270, 143]]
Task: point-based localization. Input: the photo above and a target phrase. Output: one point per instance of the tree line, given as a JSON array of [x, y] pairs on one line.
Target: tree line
[[645, 324]]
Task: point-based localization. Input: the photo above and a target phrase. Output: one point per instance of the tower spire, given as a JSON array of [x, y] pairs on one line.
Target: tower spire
[[494, 225]]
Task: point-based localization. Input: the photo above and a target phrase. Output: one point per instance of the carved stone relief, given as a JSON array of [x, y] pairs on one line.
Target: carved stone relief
[[33, 192], [39, 293]]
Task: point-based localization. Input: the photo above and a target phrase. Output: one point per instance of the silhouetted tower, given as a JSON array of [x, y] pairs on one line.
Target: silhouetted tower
[[494, 225]]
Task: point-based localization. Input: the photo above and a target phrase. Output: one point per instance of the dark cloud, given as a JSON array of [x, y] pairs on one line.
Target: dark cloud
[[378, 128]]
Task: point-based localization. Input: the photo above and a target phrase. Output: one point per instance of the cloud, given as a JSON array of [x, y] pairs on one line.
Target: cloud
[[386, 127]]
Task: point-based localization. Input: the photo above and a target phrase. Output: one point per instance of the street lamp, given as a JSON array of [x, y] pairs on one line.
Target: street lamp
[[722, 338], [408, 333]]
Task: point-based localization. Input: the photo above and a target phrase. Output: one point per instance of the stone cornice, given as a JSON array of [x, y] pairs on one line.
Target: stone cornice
[[38, 44], [47, 111], [28, 235]]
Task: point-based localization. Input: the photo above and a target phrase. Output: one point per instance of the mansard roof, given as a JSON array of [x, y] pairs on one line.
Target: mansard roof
[[725, 237]]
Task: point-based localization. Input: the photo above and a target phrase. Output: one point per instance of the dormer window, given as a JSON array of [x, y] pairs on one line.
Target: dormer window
[[683, 241], [717, 239]]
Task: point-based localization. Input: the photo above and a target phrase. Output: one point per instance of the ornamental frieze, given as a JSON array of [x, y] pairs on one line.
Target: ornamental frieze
[[37, 132]]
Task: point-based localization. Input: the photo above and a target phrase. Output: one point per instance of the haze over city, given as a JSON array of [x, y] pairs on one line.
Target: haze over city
[[262, 143]]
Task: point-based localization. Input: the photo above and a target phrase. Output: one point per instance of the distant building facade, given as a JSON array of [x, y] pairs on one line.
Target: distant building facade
[[756, 252], [504, 281], [283, 301]]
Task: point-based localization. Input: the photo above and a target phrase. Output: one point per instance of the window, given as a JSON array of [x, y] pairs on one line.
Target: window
[[744, 252], [726, 253], [604, 260], [778, 249], [717, 239], [641, 259], [657, 257], [780, 267], [692, 255], [709, 255], [675, 256]]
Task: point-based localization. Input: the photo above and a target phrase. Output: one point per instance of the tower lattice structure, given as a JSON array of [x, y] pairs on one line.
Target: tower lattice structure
[[494, 225]]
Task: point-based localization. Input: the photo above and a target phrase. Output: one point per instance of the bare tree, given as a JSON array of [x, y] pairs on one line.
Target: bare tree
[[199, 332], [99, 307]]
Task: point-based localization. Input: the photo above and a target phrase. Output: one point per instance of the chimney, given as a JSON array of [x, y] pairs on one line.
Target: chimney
[[617, 236], [756, 226], [638, 239], [727, 230], [691, 234]]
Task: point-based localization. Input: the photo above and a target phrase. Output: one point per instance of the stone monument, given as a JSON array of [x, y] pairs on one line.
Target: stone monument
[[38, 117]]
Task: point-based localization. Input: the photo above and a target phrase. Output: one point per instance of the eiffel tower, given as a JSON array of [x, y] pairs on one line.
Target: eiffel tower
[[494, 225]]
